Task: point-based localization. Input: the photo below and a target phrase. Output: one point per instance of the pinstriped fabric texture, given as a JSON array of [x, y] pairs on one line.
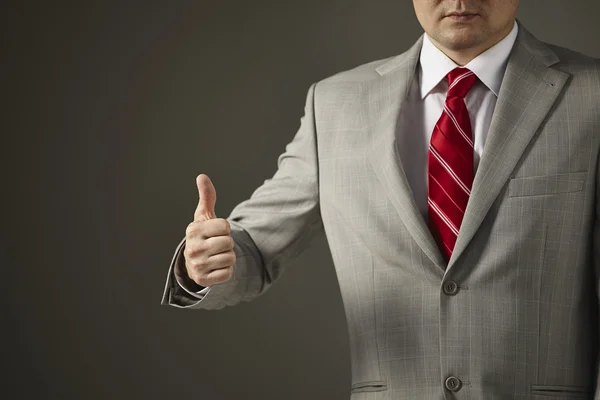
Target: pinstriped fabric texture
[[521, 319], [450, 163]]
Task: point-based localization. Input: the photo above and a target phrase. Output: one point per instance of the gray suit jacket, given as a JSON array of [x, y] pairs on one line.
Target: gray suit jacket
[[514, 314]]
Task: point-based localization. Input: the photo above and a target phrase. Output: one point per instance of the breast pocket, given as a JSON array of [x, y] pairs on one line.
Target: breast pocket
[[560, 392], [370, 386], [547, 184]]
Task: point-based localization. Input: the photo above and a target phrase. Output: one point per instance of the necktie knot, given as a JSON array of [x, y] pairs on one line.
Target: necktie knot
[[460, 81]]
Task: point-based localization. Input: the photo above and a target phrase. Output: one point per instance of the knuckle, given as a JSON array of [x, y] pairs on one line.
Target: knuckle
[[191, 273], [202, 281], [201, 247], [194, 248], [230, 242], [232, 258], [190, 264], [226, 274], [196, 264], [194, 276], [201, 263], [223, 276], [191, 230], [226, 227], [188, 253], [205, 281]]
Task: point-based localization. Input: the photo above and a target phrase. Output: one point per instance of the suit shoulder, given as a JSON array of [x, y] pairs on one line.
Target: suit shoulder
[[348, 81], [573, 61], [354, 78], [360, 73]]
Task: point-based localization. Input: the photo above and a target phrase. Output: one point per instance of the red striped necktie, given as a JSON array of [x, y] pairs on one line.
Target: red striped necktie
[[450, 163]]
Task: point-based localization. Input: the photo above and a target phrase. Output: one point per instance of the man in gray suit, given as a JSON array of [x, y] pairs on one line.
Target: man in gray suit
[[456, 285]]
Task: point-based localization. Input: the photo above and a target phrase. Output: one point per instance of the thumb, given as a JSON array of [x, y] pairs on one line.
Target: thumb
[[207, 197]]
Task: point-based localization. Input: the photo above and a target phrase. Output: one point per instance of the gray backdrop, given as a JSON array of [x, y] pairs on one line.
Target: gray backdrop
[[110, 110]]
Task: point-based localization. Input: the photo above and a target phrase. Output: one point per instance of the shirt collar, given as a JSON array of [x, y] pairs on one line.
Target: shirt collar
[[489, 66]]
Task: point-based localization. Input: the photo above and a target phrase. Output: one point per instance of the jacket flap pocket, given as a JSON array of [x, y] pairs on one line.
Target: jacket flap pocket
[[574, 392], [369, 386], [546, 184]]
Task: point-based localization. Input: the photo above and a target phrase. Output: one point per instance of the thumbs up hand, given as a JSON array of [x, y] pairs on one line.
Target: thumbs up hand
[[209, 256]]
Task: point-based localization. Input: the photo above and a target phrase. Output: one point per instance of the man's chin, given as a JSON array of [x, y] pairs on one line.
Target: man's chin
[[458, 41]]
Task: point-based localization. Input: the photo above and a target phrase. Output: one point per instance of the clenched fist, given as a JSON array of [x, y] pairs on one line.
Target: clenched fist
[[209, 256]]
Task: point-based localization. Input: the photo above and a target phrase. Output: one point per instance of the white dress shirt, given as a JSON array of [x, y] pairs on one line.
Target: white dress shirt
[[424, 106]]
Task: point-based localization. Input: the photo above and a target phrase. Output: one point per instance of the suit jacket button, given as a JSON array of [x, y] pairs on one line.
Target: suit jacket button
[[453, 384], [450, 288]]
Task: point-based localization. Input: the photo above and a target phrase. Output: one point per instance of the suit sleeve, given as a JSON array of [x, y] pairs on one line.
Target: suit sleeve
[[596, 241], [274, 225], [596, 262]]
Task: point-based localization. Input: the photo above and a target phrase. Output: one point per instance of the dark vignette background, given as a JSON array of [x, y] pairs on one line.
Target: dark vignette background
[[110, 110]]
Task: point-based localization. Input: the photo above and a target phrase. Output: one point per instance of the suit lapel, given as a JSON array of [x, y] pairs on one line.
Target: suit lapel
[[382, 101], [529, 90]]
